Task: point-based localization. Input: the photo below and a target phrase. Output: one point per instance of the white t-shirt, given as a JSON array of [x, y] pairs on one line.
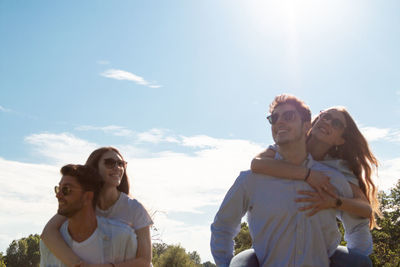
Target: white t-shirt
[[127, 210], [91, 249]]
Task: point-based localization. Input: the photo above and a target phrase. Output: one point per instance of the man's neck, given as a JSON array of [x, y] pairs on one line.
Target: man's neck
[[317, 148], [295, 153], [82, 225]]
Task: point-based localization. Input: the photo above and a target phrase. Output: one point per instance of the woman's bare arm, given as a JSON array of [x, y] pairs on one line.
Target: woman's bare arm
[[358, 205], [264, 163], [143, 254], [51, 236]]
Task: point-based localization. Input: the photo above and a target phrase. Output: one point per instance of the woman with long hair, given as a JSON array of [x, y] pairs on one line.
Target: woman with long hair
[[334, 140], [115, 203]]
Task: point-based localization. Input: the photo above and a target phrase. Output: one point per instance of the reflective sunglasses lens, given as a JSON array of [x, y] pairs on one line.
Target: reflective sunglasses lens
[[273, 118], [110, 163], [288, 115], [269, 118], [336, 123], [65, 190], [326, 116]]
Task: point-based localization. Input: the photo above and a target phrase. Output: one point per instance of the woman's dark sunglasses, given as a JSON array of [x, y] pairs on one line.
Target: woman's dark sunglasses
[[287, 116], [65, 190], [336, 123], [110, 163]]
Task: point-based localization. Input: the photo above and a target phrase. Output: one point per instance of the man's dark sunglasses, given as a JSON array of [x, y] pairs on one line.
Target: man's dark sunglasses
[[287, 116], [65, 190], [336, 123], [110, 163]]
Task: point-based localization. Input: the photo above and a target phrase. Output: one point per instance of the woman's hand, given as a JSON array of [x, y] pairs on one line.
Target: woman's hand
[[320, 182], [318, 201]]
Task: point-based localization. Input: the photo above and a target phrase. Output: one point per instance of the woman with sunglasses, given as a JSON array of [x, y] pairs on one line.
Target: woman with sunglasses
[[334, 140], [113, 203]]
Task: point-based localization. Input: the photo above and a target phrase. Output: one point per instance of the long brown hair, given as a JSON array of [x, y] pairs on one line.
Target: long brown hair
[[360, 160], [94, 158]]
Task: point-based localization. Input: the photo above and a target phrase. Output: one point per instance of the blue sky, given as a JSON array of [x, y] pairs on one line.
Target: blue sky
[[182, 89]]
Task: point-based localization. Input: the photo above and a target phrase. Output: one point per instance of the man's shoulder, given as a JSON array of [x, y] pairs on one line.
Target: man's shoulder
[[249, 177]]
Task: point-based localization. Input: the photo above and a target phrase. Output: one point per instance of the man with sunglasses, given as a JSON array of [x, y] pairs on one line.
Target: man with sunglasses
[[94, 239], [281, 235]]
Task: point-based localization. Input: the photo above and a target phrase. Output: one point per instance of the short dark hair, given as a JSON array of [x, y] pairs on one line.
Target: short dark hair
[[300, 106], [87, 177]]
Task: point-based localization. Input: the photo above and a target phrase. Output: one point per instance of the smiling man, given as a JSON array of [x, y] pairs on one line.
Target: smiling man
[[282, 236], [94, 239]]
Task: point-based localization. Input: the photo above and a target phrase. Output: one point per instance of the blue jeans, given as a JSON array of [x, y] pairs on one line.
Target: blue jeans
[[344, 257], [341, 258], [246, 258]]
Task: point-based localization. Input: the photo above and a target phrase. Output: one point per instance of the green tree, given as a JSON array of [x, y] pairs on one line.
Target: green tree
[[386, 239], [23, 252], [158, 250], [195, 257], [243, 239], [208, 264], [2, 263], [175, 256]]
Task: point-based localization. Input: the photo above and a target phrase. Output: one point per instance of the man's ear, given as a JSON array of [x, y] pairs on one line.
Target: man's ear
[[306, 126], [88, 197]]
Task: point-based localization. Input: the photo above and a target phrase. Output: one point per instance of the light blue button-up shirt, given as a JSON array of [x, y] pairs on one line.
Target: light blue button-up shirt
[[119, 243], [282, 235]]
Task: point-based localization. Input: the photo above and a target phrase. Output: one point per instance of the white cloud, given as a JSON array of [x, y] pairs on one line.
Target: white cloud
[[125, 75], [389, 174], [4, 109], [373, 133], [61, 148], [156, 136], [103, 62], [381, 134], [26, 199], [111, 129]]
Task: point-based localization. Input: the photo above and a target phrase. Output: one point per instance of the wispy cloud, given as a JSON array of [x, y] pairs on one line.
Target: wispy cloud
[[3, 109], [102, 62], [381, 134], [61, 148], [125, 75], [373, 133], [389, 173], [156, 136], [111, 129]]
